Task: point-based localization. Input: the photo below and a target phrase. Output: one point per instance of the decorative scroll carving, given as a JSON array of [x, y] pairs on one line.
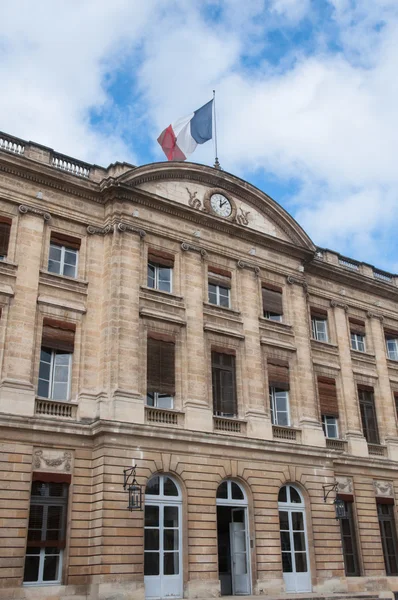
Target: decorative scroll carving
[[241, 264], [291, 280], [372, 315], [193, 201], [61, 461], [384, 488], [243, 217], [345, 485], [186, 246], [337, 304], [126, 227], [24, 208], [91, 229]]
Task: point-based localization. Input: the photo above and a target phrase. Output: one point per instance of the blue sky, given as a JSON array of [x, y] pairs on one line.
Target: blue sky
[[307, 97]]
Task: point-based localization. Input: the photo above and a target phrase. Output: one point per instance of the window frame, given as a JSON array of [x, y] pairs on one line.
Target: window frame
[[365, 403], [52, 369], [218, 295], [274, 410], [216, 373], [394, 351], [64, 249], [356, 340], [326, 425], [350, 518], [271, 316], [156, 397], [315, 320], [390, 518], [157, 267]]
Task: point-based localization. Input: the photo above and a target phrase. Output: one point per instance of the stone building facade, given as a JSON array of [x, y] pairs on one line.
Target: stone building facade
[[175, 315]]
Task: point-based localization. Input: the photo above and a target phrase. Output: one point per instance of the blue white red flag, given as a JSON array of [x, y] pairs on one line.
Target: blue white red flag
[[180, 139]]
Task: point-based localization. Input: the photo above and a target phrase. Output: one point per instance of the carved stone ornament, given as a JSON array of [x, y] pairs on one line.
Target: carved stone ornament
[[24, 208], [56, 460], [186, 246], [126, 227], [384, 488], [337, 304], [241, 264], [242, 218], [372, 315], [193, 201], [91, 229], [291, 280], [345, 485]]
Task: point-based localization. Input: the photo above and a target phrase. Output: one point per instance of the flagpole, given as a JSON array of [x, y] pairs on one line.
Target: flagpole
[[216, 163]]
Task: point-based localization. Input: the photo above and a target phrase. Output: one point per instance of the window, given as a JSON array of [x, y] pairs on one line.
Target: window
[[357, 333], [278, 382], [319, 324], [5, 228], [64, 254], [160, 270], [160, 370], [328, 406], [272, 302], [330, 427], [224, 386], [349, 541], [46, 532], [56, 360], [219, 287], [392, 344], [368, 414], [388, 534]]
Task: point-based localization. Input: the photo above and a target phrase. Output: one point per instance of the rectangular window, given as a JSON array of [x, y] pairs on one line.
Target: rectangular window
[[219, 287], [224, 384], [56, 360], [349, 541], [319, 324], [357, 334], [160, 270], [64, 254], [272, 302], [160, 370], [328, 405], [330, 426], [368, 414], [358, 342], [278, 383], [388, 535], [5, 228], [46, 532], [392, 344]]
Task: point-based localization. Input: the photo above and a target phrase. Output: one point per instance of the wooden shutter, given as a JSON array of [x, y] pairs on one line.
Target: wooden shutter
[[317, 312], [272, 298], [219, 277], [5, 228], [328, 396], [224, 387], [58, 335], [391, 334], [278, 373], [357, 326], [396, 402], [65, 240], [368, 414], [163, 259], [161, 364]]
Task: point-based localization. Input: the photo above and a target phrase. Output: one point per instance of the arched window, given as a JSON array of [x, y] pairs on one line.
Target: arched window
[[162, 486], [231, 492]]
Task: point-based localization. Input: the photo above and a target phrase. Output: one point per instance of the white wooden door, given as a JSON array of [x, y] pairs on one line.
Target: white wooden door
[[296, 573], [239, 552]]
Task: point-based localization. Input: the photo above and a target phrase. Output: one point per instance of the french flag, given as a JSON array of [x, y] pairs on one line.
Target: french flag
[[180, 139]]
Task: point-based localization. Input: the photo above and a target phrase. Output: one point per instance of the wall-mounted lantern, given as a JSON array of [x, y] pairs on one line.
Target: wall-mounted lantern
[[339, 505], [133, 488]]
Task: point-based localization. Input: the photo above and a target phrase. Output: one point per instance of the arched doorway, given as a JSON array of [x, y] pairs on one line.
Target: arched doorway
[[294, 543], [163, 538], [233, 539]]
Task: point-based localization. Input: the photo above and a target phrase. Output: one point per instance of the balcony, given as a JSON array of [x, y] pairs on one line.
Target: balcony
[[335, 444], [377, 450], [287, 434], [55, 408], [163, 416], [229, 425]]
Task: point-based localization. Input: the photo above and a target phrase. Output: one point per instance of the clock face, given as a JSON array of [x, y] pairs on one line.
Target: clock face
[[221, 205]]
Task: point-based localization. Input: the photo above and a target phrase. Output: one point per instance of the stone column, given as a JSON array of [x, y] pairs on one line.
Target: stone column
[[306, 398], [255, 395], [356, 442], [16, 390], [198, 414], [385, 408]]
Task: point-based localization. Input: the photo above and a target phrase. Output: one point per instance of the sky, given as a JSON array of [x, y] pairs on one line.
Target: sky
[[306, 95]]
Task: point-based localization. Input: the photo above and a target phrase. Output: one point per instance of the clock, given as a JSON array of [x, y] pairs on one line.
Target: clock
[[220, 205]]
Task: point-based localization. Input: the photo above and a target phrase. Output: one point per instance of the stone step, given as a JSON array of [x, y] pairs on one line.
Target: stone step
[[311, 596]]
